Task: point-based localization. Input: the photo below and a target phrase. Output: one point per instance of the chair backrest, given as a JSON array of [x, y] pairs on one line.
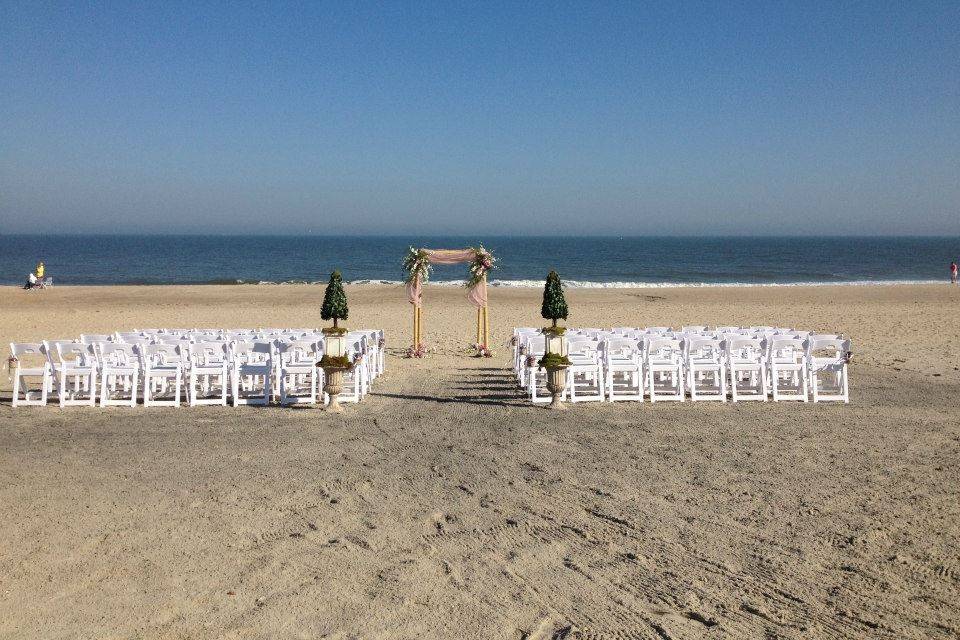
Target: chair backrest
[[704, 347], [297, 351], [657, 330], [160, 354], [74, 352], [26, 348], [209, 352], [583, 345], [118, 353], [622, 347], [28, 353], [253, 351], [781, 343], [663, 348], [824, 346], [87, 338], [693, 329], [745, 347]]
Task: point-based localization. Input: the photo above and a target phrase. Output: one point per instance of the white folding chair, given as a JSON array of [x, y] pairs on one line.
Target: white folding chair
[[208, 378], [34, 355], [746, 360], [76, 373], [298, 372], [252, 372], [664, 368], [535, 377], [705, 368], [162, 374], [585, 379], [356, 379], [119, 374], [828, 355], [787, 359], [623, 369]]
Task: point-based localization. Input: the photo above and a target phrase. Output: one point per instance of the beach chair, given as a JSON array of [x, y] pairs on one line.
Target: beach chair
[[208, 377], [746, 360], [623, 369], [787, 360], [162, 374], [27, 361], [119, 374], [828, 355], [664, 368], [706, 373], [252, 372]]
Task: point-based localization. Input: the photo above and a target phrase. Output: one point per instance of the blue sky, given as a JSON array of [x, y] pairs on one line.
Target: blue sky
[[528, 118]]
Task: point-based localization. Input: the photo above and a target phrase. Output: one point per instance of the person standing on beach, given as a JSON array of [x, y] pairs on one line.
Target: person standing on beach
[[953, 272], [40, 271]]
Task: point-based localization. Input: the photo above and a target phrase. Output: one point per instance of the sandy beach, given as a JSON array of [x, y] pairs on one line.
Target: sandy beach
[[446, 506]]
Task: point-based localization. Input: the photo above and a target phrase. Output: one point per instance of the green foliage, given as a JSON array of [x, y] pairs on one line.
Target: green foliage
[[334, 300], [554, 304], [553, 361], [554, 331], [335, 362], [335, 331]]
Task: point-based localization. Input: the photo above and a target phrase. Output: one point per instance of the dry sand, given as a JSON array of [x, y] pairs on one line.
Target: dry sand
[[445, 506]]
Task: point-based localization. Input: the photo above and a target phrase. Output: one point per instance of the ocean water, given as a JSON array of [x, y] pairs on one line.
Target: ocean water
[[581, 262]]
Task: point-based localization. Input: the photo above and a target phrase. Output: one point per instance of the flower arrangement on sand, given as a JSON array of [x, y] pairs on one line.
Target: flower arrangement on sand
[[417, 351]]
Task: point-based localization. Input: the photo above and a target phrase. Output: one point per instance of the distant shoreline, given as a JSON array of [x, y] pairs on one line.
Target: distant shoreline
[[525, 284]]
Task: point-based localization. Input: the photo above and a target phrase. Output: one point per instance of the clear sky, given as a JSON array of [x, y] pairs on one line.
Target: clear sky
[[530, 118]]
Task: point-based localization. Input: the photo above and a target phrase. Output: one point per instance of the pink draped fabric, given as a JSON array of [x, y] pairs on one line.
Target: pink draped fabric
[[477, 295]]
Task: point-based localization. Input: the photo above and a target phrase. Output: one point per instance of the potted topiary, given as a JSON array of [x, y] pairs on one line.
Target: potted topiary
[[555, 359], [335, 359]]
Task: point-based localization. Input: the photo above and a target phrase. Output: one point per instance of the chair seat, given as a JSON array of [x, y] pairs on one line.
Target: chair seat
[[33, 371], [166, 368]]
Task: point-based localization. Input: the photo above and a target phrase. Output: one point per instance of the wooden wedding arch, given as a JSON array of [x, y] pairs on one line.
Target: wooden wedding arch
[[418, 263]]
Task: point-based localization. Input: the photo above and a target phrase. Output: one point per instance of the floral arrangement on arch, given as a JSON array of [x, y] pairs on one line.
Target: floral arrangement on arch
[[417, 265], [483, 262]]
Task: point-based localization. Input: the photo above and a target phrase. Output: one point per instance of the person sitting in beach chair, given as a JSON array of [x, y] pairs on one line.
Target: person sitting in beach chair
[[31, 282]]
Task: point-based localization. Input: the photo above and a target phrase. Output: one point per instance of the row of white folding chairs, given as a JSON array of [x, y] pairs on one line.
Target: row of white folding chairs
[[208, 368], [373, 346], [665, 366]]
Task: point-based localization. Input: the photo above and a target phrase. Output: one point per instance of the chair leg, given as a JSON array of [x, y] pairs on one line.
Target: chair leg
[[104, 392], [16, 389]]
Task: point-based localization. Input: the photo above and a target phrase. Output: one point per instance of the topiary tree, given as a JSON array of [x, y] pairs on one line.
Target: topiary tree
[[334, 300], [554, 305]]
